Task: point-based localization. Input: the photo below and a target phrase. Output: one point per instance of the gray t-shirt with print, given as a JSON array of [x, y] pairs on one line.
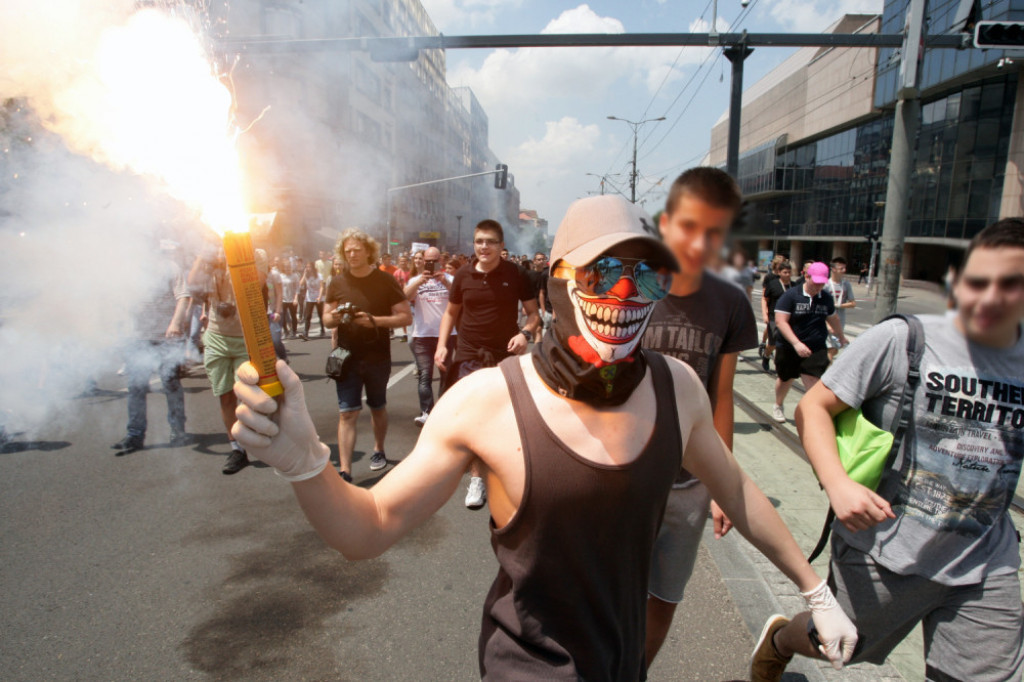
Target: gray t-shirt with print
[[967, 442], [842, 292]]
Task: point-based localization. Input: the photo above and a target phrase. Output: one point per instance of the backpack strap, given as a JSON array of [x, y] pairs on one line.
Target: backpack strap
[[901, 419]]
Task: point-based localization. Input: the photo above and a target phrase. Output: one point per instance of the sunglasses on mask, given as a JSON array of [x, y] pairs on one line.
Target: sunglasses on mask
[[598, 278]]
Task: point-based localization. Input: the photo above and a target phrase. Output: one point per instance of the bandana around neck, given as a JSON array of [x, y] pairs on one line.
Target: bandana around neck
[[590, 352]]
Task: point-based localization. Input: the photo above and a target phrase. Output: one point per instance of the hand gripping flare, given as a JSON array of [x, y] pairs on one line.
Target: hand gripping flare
[[294, 450]]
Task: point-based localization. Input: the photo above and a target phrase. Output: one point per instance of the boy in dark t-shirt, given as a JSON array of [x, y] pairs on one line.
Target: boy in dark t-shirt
[[774, 287], [705, 321]]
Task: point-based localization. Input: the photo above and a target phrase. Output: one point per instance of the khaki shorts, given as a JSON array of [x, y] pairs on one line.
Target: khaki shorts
[[675, 548], [971, 632], [222, 357]]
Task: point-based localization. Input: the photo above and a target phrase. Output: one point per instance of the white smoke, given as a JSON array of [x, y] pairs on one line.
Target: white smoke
[[79, 242]]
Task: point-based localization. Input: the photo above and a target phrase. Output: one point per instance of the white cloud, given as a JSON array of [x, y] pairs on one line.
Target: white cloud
[[811, 16], [566, 144], [508, 77]]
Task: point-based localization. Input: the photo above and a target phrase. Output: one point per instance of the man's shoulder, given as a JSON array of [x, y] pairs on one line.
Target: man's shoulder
[[722, 291]]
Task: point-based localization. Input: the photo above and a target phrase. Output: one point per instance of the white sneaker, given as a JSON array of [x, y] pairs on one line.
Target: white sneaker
[[422, 419], [477, 494], [778, 415]]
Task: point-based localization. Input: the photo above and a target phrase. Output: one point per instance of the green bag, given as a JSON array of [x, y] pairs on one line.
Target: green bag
[[863, 447], [865, 450]]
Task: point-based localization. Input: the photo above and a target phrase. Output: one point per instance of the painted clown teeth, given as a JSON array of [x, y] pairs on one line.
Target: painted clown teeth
[[614, 321]]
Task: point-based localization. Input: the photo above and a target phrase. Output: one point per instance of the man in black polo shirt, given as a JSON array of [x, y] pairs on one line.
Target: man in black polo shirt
[[484, 299], [803, 316]]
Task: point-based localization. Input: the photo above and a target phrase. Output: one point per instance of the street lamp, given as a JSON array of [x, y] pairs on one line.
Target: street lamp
[[602, 178], [635, 125], [775, 236]]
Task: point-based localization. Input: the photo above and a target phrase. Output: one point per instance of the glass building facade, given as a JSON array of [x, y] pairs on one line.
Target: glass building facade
[[937, 66], [814, 190]]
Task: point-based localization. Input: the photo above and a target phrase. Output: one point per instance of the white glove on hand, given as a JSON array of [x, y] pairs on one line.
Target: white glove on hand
[[288, 443], [835, 630]]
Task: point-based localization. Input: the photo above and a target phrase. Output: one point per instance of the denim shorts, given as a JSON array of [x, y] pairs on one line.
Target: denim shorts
[[373, 376]]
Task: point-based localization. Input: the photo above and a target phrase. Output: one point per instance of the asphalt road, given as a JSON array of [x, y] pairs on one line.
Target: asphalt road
[[155, 566]]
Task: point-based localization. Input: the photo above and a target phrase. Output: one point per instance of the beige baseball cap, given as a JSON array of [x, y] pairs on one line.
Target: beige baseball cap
[[592, 226]]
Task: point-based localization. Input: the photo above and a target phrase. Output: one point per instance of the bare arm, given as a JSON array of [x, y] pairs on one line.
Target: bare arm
[[451, 313], [723, 413], [856, 506], [357, 522], [532, 324], [836, 327], [401, 315], [706, 456], [782, 324]]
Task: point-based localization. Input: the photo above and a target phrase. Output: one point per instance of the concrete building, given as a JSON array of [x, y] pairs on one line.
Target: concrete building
[[816, 135], [337, 130]]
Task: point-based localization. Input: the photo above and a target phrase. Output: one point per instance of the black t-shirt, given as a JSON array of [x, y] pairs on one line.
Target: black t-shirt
[[542, 285], [537, 280], [374, 294], [773, 291], [490, 306], [714, 320], [806, 316]]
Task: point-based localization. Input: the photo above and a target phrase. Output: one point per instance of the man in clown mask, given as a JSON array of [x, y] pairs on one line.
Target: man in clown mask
[[579, 442]]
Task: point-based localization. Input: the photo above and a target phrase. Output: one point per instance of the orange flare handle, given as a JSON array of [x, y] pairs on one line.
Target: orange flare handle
[[252, 309]]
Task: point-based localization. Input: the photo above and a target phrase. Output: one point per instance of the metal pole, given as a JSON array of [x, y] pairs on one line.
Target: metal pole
[[904, 137], [458, 235], [632, 178], [635, 125], [736, 54]]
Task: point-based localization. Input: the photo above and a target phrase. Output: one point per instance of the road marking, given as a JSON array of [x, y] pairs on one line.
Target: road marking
[[400, 374]]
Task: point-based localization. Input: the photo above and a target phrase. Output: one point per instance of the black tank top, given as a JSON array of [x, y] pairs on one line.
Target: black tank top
[[569, 601]]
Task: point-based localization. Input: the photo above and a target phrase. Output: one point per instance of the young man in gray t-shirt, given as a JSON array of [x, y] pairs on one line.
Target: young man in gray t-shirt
[[935, 544], [842, 294]]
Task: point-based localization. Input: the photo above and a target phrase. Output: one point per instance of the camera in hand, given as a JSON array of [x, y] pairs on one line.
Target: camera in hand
[[225, 309], [428, 267], [346, 313]]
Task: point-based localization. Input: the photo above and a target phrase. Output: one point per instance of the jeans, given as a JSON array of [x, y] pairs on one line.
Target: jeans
[[310, 306], [144, 358], [289, 318], [423, 348], [275, 336]]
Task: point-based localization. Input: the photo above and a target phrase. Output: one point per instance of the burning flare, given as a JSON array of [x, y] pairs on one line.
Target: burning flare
[[152, 103]]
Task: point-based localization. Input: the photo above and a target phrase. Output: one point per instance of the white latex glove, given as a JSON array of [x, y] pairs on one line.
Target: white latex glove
[[288, 442], [837, 633]]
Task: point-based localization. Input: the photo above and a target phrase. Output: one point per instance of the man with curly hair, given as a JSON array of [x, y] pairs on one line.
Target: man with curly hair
[[380, 305]]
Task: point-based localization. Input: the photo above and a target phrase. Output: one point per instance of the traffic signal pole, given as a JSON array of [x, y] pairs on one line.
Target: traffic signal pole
[[904, 137], [735, 54], [500, 171]]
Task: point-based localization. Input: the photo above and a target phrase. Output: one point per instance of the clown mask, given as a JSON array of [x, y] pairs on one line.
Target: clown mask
[[611, 302]]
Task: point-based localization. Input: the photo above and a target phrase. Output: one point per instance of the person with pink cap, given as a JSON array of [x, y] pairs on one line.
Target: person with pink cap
[[803, 317]]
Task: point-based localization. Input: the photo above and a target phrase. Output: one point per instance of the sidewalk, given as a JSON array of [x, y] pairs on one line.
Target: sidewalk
[[762, 448]]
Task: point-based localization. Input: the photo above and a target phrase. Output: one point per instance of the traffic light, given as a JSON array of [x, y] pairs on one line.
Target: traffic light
[[999, 35], [501, 177]]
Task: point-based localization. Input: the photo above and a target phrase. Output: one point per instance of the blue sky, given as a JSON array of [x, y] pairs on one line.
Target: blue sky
[[548, 108]]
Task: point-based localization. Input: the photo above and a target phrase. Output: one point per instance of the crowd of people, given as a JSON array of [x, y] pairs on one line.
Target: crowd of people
[[608, 441]]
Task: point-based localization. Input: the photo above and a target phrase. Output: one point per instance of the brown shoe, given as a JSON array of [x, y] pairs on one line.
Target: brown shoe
[[767, 664]]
